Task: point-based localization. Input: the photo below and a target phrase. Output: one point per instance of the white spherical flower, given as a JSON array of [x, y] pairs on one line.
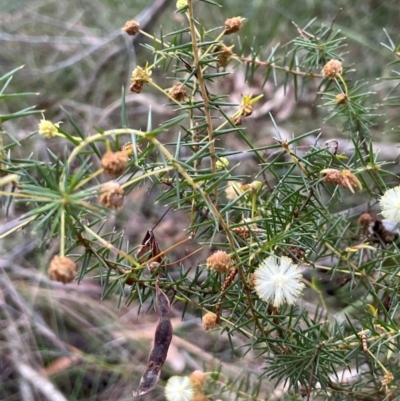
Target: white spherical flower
[[278, 280], [390, 204], [179, 388]]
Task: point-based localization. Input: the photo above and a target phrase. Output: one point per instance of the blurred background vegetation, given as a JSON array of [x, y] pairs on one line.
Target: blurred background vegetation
[[77, 59]]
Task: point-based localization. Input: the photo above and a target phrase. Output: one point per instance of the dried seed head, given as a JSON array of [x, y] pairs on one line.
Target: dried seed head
[[178, 92], [209, 321], [345, 178], [251, 281], [131, 27], [387, 378], [47, 129], [112, 195], [242, 232], [153, 266], [332, 69], [128, 149], [296, 253], [233, 25], [237, 120], [224, 55], [139, 77], [62, 269], [114, 163], [341, 98], [198, 379], [365, 220], [251, 228], [220, 262]]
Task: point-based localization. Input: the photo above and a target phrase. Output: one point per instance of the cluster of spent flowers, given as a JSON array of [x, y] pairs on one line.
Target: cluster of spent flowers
[[233, 25], [140, 76], [245, 231], [246, 108], [332, 69], [344, 178], [220, 261], [209, 321], [131, 27], [178, 92], [224, 54], [62, 269], [111, 195], [114, 163]]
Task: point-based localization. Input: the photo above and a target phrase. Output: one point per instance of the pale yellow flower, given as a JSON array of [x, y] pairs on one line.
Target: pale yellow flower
[[47, 129], [233, 190], [181, 4], [221, 163]]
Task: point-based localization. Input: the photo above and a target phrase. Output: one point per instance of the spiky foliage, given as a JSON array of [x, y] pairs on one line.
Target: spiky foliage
[[294, 201]]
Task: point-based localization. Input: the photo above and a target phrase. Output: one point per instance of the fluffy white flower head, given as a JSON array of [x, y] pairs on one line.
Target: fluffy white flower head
[[390, 204], [179, 388], [278, 280]]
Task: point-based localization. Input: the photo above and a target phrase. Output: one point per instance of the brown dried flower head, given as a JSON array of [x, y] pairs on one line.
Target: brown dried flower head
[[139, 77], [251, 228], [220, 262], [387, 378], [251, 281], [112, 195], [153, 266], [242, 232], [342, 98], [114, 163], [247, 110], [295, 253], [131, 27], [237, 120], [224, 55], [365, 219], [209, 321], [344, 178], [198, 379], [233, 25], [178, 92], [332, 69], [62, 269]]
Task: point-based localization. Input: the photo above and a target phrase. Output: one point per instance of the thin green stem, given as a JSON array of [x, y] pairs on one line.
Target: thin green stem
[[111, 247], [62, 232], [204, 92], [277, 67]]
